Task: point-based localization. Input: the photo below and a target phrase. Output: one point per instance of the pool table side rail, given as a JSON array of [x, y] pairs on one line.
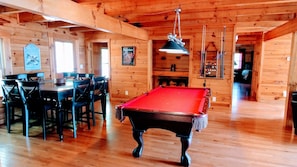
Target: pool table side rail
[[122, 110]]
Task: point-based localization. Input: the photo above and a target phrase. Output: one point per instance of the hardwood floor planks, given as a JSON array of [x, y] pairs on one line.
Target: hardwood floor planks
[[249, 135]]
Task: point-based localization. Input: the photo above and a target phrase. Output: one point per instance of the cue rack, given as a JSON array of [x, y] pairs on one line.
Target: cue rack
[[207, 69]]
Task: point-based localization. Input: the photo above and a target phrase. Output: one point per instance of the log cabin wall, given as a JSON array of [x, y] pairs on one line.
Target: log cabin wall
[[16, 36], [275, 69], [163, 74], [136, 79], [126, 81], [37, 33], [221, 87], [292, 83], [258, 58]]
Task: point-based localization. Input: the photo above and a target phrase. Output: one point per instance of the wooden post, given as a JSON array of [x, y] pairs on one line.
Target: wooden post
[[292, 83]]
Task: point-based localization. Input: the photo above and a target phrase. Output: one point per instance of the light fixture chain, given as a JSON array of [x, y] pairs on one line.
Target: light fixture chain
[[175, 20], [178, 19]]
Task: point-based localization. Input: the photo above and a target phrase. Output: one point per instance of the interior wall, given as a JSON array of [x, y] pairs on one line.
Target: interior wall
[[22, 34], [275, 69], [257, 66], [221, 88], [126, 81], [16, 36]]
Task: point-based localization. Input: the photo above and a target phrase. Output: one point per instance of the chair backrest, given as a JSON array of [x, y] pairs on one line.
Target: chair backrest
[[22, 77], [38, 76], [30, 94], [10, 91], [13, 76], [70, 75], [81, 91], [17, 76], [99, 87], [82, 76]]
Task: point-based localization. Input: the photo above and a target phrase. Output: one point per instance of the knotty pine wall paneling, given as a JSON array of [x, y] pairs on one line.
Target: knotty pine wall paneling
[[16, 36], [221, 88], [275, 68], [133, 79], [257, 66], [22, 34], [292, 84]]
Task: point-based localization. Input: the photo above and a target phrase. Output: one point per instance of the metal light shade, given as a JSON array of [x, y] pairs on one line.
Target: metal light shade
[[174, 48], [175, 45]]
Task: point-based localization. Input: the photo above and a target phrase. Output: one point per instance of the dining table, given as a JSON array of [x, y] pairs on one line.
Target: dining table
[[58, 92]]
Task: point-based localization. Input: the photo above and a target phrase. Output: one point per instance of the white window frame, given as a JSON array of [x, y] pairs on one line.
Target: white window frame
[[105, 63], [61, 59]]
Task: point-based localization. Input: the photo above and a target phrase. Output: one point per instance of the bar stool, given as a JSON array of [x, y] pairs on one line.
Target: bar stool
[[34, 106], [12, 101], [99, 91]]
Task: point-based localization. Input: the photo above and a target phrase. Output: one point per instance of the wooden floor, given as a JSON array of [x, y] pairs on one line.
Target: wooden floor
[[251, 135]]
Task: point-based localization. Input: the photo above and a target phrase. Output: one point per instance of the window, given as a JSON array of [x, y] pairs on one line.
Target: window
[[105, 63], [64, 56], [237, 61]]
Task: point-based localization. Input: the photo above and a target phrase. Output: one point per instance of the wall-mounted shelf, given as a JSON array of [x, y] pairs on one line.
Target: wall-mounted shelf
[[171, 73]]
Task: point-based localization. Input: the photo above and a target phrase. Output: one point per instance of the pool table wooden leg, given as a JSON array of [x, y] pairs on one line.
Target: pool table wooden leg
[[137, 135], [185, 159]]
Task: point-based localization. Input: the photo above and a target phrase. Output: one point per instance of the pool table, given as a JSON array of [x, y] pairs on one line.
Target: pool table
[[177, 109]]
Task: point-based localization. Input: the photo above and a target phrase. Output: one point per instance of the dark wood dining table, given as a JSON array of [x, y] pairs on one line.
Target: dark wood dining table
[[59, 93]]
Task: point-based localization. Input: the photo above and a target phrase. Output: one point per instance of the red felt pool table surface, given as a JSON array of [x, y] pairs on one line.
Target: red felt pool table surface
[[175, 100]]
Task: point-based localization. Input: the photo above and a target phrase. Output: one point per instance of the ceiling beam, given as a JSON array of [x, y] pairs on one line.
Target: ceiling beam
[[254, 12], [8, 10], [60, 24], [25, 17], [77, 14], [289, 27], [142, 7], [81, 29]]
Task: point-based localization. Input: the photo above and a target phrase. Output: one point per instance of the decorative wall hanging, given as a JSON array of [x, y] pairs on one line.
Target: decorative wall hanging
[[128, 55], [32, 59]]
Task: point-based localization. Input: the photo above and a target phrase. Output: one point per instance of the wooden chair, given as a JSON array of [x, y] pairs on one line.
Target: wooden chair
[[12, 101], [99, 91], [35, 107], [80, 100]]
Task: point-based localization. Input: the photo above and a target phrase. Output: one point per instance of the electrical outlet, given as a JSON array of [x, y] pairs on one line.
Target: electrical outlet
[[126, 93], [284, 93], [214, 98]]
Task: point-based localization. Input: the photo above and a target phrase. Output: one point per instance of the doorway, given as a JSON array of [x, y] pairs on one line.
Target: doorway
[[243, 66], [101, 59]]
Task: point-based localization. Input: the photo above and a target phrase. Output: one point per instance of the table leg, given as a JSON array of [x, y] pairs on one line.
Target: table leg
[[185, 158], [137, 135], [60, 118]]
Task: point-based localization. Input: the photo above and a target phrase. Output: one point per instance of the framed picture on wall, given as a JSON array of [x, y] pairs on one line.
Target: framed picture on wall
[[32, 59], [128, 55]]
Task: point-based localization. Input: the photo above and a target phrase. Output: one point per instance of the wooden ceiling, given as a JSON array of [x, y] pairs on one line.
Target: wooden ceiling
[[247, 15]]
